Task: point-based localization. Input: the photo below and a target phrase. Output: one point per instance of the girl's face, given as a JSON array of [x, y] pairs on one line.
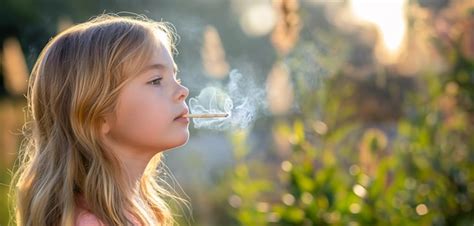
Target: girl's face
[[148, 116]]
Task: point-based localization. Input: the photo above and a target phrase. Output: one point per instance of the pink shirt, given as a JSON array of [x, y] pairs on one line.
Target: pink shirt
[[83, 216], [87, 219]]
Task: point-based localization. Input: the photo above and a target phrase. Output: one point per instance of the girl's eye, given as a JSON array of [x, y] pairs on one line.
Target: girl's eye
[[178, 81], [156, 81]]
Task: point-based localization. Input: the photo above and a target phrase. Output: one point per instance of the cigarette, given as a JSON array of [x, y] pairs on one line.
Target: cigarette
[[217, 115]]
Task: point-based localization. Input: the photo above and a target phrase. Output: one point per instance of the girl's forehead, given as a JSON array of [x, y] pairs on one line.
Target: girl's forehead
[[164, 45], [160, 59], [162, 55], [155, 54]]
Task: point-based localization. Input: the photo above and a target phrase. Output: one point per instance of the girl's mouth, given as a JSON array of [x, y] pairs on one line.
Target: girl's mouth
[[182, 119]]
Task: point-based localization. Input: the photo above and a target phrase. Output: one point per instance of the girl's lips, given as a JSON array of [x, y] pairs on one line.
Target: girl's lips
[[183, 113], [182, 119]]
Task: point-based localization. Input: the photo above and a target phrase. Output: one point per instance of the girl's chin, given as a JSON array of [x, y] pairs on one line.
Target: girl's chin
[[185, 139], [182, 140]]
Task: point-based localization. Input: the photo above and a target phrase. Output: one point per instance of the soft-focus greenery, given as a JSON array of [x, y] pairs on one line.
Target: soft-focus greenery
[[427, 166], [343, 169]]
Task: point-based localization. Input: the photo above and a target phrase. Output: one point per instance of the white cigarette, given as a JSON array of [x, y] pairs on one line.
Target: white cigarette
[[217, 115]]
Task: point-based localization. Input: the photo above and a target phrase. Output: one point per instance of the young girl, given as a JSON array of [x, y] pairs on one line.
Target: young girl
[[104, 102]]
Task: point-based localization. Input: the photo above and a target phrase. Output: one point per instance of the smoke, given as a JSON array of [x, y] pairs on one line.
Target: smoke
[[211, 100], [240, 98]]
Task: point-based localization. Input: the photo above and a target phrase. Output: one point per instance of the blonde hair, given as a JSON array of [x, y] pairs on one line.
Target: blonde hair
[[74, 84]]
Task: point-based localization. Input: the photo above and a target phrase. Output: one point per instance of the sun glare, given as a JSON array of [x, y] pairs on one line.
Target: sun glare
[[388, 16]]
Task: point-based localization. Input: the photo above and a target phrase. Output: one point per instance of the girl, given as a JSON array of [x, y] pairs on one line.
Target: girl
[[104, 102]]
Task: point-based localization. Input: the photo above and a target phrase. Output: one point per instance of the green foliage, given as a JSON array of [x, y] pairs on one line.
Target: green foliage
[[341, 170], [426, 177], [245, 189]]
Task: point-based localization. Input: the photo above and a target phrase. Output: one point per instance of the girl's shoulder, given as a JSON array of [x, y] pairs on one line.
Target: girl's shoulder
[[85, 218]]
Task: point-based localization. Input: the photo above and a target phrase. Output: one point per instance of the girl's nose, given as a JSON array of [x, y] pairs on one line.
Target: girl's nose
[[182, 93]]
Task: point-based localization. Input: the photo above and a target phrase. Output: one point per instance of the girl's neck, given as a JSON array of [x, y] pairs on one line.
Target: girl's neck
[[133, 161]]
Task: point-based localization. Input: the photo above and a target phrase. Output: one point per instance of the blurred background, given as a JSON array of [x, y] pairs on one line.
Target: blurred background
[[367, 117]]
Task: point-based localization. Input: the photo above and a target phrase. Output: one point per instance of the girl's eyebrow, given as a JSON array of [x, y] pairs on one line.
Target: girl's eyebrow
[[159, 66]]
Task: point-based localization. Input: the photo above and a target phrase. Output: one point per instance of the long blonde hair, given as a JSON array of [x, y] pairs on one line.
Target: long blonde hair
[[73, 85]]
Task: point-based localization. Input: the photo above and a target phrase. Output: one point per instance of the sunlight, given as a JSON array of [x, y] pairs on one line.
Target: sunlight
[[388, 16]]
